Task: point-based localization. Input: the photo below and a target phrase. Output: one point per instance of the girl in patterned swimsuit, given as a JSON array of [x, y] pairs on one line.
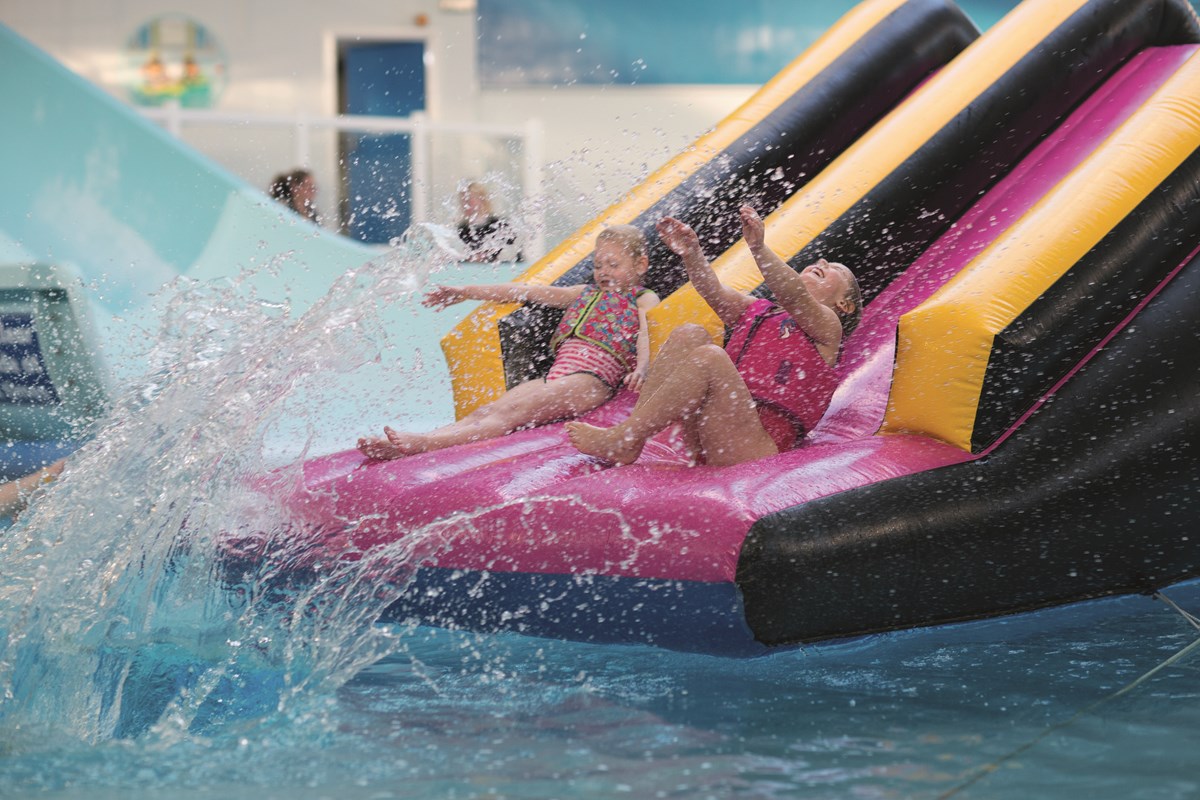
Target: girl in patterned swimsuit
[[773, 381], [600, 345]]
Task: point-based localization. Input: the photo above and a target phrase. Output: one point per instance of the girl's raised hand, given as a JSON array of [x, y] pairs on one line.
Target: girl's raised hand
[[752, 227], [440, 297], [677, 235]]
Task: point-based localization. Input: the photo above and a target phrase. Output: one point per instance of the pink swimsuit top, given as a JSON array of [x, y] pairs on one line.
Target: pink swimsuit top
[[606, 319], [786, 374]]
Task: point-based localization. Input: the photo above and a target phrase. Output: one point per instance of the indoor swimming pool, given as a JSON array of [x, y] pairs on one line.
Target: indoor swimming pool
[[1044, 249]]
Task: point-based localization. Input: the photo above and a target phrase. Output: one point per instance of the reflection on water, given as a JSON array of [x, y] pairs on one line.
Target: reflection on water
[[131, 666]]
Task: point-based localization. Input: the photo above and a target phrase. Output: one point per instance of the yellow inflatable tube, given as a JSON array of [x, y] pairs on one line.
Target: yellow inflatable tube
[[943, 346]]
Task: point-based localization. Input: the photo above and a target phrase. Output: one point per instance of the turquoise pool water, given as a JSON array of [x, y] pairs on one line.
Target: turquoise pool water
[[908, 715], [130, 667]]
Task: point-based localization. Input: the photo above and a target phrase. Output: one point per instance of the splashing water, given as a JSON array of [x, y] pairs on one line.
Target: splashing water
[[115, 616]]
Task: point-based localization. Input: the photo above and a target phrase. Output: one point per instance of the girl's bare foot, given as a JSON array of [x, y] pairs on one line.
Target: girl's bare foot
[[607, 443], [378, 448], [407, 444]]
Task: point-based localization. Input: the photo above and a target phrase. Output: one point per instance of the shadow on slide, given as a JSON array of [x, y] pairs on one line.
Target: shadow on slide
[[1015, 425]]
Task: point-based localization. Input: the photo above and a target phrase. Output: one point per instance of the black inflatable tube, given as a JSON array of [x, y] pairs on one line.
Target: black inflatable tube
[[774, 159], [1063, 325], [1117, 444], [906, 212], [1095, 497]]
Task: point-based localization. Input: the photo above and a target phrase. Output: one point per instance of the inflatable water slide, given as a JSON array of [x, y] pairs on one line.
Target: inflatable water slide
[[1016, 423]]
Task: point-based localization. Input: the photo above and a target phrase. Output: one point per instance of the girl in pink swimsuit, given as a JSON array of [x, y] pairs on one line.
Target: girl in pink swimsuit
[[600, 345], [768, 387]]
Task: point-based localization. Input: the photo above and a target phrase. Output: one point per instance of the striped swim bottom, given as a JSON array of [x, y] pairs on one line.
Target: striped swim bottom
[[576, 355]]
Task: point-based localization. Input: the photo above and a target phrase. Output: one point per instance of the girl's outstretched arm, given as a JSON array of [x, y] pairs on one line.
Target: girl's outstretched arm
[[440, 297], [14, 495], [638, 374], [819, 321], [683, 241]]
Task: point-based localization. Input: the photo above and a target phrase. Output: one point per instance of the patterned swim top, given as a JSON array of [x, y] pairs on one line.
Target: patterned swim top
[[604, 318]]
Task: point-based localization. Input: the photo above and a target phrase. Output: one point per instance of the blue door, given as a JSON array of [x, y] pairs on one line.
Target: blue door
[[380, 79]]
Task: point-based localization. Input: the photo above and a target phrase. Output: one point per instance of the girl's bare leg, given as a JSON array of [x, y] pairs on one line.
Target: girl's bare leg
[[682, 341], [396, 444], [528, 405], [703, 390]]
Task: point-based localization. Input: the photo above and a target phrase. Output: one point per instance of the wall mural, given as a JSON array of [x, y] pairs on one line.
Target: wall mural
[[174, 58]]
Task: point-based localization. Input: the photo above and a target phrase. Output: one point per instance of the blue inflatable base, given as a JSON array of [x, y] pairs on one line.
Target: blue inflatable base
[[679, 615]]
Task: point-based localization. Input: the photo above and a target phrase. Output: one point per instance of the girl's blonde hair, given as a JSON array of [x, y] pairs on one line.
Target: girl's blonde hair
[[628, 237], [854, 295]]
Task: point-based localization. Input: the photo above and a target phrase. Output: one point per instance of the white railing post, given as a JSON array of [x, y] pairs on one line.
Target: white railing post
[[421, 171], [173, 117], [534, 203], [303, 143]]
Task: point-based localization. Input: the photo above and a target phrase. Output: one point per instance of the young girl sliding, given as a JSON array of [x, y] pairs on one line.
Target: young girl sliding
[[600, 345], [771, 383]]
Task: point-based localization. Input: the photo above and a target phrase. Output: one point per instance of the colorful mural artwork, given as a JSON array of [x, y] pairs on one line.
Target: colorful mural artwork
[[174, 58]]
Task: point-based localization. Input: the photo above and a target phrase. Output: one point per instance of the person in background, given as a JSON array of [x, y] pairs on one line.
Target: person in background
[[298, 191], [488, 237]]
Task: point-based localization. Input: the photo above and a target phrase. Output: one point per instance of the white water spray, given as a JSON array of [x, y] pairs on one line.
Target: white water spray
[[113, 615]]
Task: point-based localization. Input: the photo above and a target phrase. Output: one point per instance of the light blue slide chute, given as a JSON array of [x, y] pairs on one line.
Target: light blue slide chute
[[102, 208]]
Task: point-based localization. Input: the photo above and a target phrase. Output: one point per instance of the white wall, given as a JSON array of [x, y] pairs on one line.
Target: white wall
[[599, 140]]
